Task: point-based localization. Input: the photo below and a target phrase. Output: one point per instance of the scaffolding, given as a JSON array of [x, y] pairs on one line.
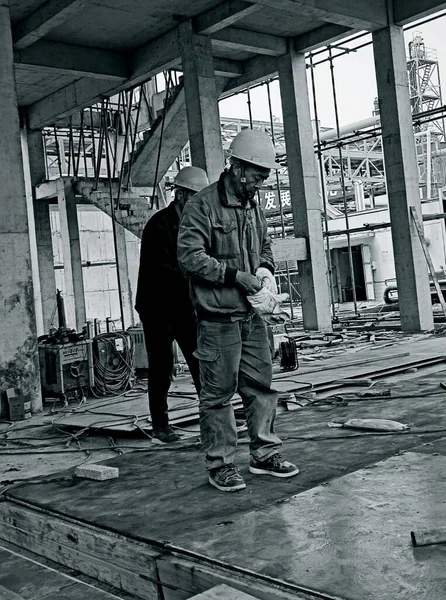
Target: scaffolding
[[102, 142]]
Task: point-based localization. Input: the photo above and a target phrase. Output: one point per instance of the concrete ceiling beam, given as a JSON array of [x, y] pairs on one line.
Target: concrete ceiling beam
[[249, 41], [43, 20], [225, 67], [406, 11], [73, 98], [350, 13], [322, 36], [162, 54], [73, 60], [224, 15], [159, 55], [255, 70]]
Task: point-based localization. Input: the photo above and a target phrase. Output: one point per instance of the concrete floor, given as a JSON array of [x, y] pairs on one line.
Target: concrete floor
[[341, 527], [349, 537]]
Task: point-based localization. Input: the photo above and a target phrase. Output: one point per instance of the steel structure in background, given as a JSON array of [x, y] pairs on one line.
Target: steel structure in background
[[101, 143]]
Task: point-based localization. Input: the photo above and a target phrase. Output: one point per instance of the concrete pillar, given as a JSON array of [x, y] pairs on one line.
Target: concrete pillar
[[402, 178], [32, 233], [203, 117], [304, 186], [42, 254], [18, 341], [73, 293], [45, 255], [122, 268]]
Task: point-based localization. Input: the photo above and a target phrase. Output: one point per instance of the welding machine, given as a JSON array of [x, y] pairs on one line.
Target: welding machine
[[65, 359], [66, 367], [140, 353]]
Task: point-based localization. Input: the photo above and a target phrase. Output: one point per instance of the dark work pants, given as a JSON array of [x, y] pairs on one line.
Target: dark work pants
[[235, 356], [160, 330]]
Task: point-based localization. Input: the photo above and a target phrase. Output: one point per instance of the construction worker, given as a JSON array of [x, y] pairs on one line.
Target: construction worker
[[224, 248], [163, 302]]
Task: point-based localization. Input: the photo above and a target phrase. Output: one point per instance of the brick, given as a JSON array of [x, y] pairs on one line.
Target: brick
[[97, 472]]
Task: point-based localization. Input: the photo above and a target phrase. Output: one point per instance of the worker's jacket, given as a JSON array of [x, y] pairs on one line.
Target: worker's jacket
[[162, 287], [218, 237]]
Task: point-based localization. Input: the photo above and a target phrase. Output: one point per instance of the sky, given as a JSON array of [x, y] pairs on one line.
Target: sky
[[354, 80]]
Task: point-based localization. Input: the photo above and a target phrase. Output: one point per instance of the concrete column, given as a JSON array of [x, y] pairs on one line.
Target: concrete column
[[45, 255], [122, 268], [402, 178], [203, 117], [32, 233], [304, 186], [42, 253], [18, 341], [45, 251], [74, 295]]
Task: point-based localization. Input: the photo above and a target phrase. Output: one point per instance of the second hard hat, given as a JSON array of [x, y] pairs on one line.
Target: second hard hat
[[255, 147], [191, 178]]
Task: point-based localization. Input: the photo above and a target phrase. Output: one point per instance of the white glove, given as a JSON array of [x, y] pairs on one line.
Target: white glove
[[267, 279], [267, 306]]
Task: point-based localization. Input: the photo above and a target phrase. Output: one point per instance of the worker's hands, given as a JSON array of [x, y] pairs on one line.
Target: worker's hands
[[247, 282], [267, 279]]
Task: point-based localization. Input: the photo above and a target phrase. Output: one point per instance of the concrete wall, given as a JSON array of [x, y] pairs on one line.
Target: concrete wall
[[100, 280], [380, 242]]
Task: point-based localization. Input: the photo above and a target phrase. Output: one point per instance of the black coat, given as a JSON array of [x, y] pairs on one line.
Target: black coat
[[162, 287]]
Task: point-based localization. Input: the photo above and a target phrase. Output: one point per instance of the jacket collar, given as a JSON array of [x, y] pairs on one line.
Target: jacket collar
[[229, 199]]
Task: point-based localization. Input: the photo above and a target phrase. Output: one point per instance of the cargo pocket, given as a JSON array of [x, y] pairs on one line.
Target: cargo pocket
[[224, 239], [207, 354]]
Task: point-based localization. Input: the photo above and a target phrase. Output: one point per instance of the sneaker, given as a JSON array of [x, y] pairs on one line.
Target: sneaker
[[274, 465], [226, 479], [164, 435]]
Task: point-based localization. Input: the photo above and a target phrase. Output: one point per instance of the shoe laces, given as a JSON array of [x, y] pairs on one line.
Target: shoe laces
[[228, 470], [276, 459]]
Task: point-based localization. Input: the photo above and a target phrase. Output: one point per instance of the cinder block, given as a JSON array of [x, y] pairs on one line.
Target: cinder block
[[97, 472]]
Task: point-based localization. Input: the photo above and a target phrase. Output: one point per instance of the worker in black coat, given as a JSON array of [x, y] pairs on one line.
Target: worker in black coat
[[163, 303]]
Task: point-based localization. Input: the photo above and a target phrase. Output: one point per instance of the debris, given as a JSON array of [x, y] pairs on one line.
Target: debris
[[428, 537], [97, 472], [384, 393], [371, 424]]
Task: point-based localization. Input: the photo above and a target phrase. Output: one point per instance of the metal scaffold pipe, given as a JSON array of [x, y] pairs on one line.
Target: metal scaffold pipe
[[344, 193], [282, 220], [322, 186]]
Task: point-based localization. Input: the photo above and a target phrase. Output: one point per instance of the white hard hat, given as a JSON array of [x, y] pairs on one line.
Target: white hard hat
[[191, 178], [255, 147]]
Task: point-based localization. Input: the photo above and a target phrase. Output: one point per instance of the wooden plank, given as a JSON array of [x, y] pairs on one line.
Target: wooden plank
[[420, 231], [6, 594], [108, 557], [34, 578], [102, 570], [80, 591], [223, 592], [116, 560], [195, 576], [29, 579]]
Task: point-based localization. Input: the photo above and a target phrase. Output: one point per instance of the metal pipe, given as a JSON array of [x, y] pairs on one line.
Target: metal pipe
[[127, 127], [161, 140], [135, 133], [113, 218], [280, 199], [117, 120], [344, 194], [323, 185], [59, 160]]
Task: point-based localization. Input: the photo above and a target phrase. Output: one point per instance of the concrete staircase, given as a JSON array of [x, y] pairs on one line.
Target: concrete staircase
[[134, 204], [174, 138]]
